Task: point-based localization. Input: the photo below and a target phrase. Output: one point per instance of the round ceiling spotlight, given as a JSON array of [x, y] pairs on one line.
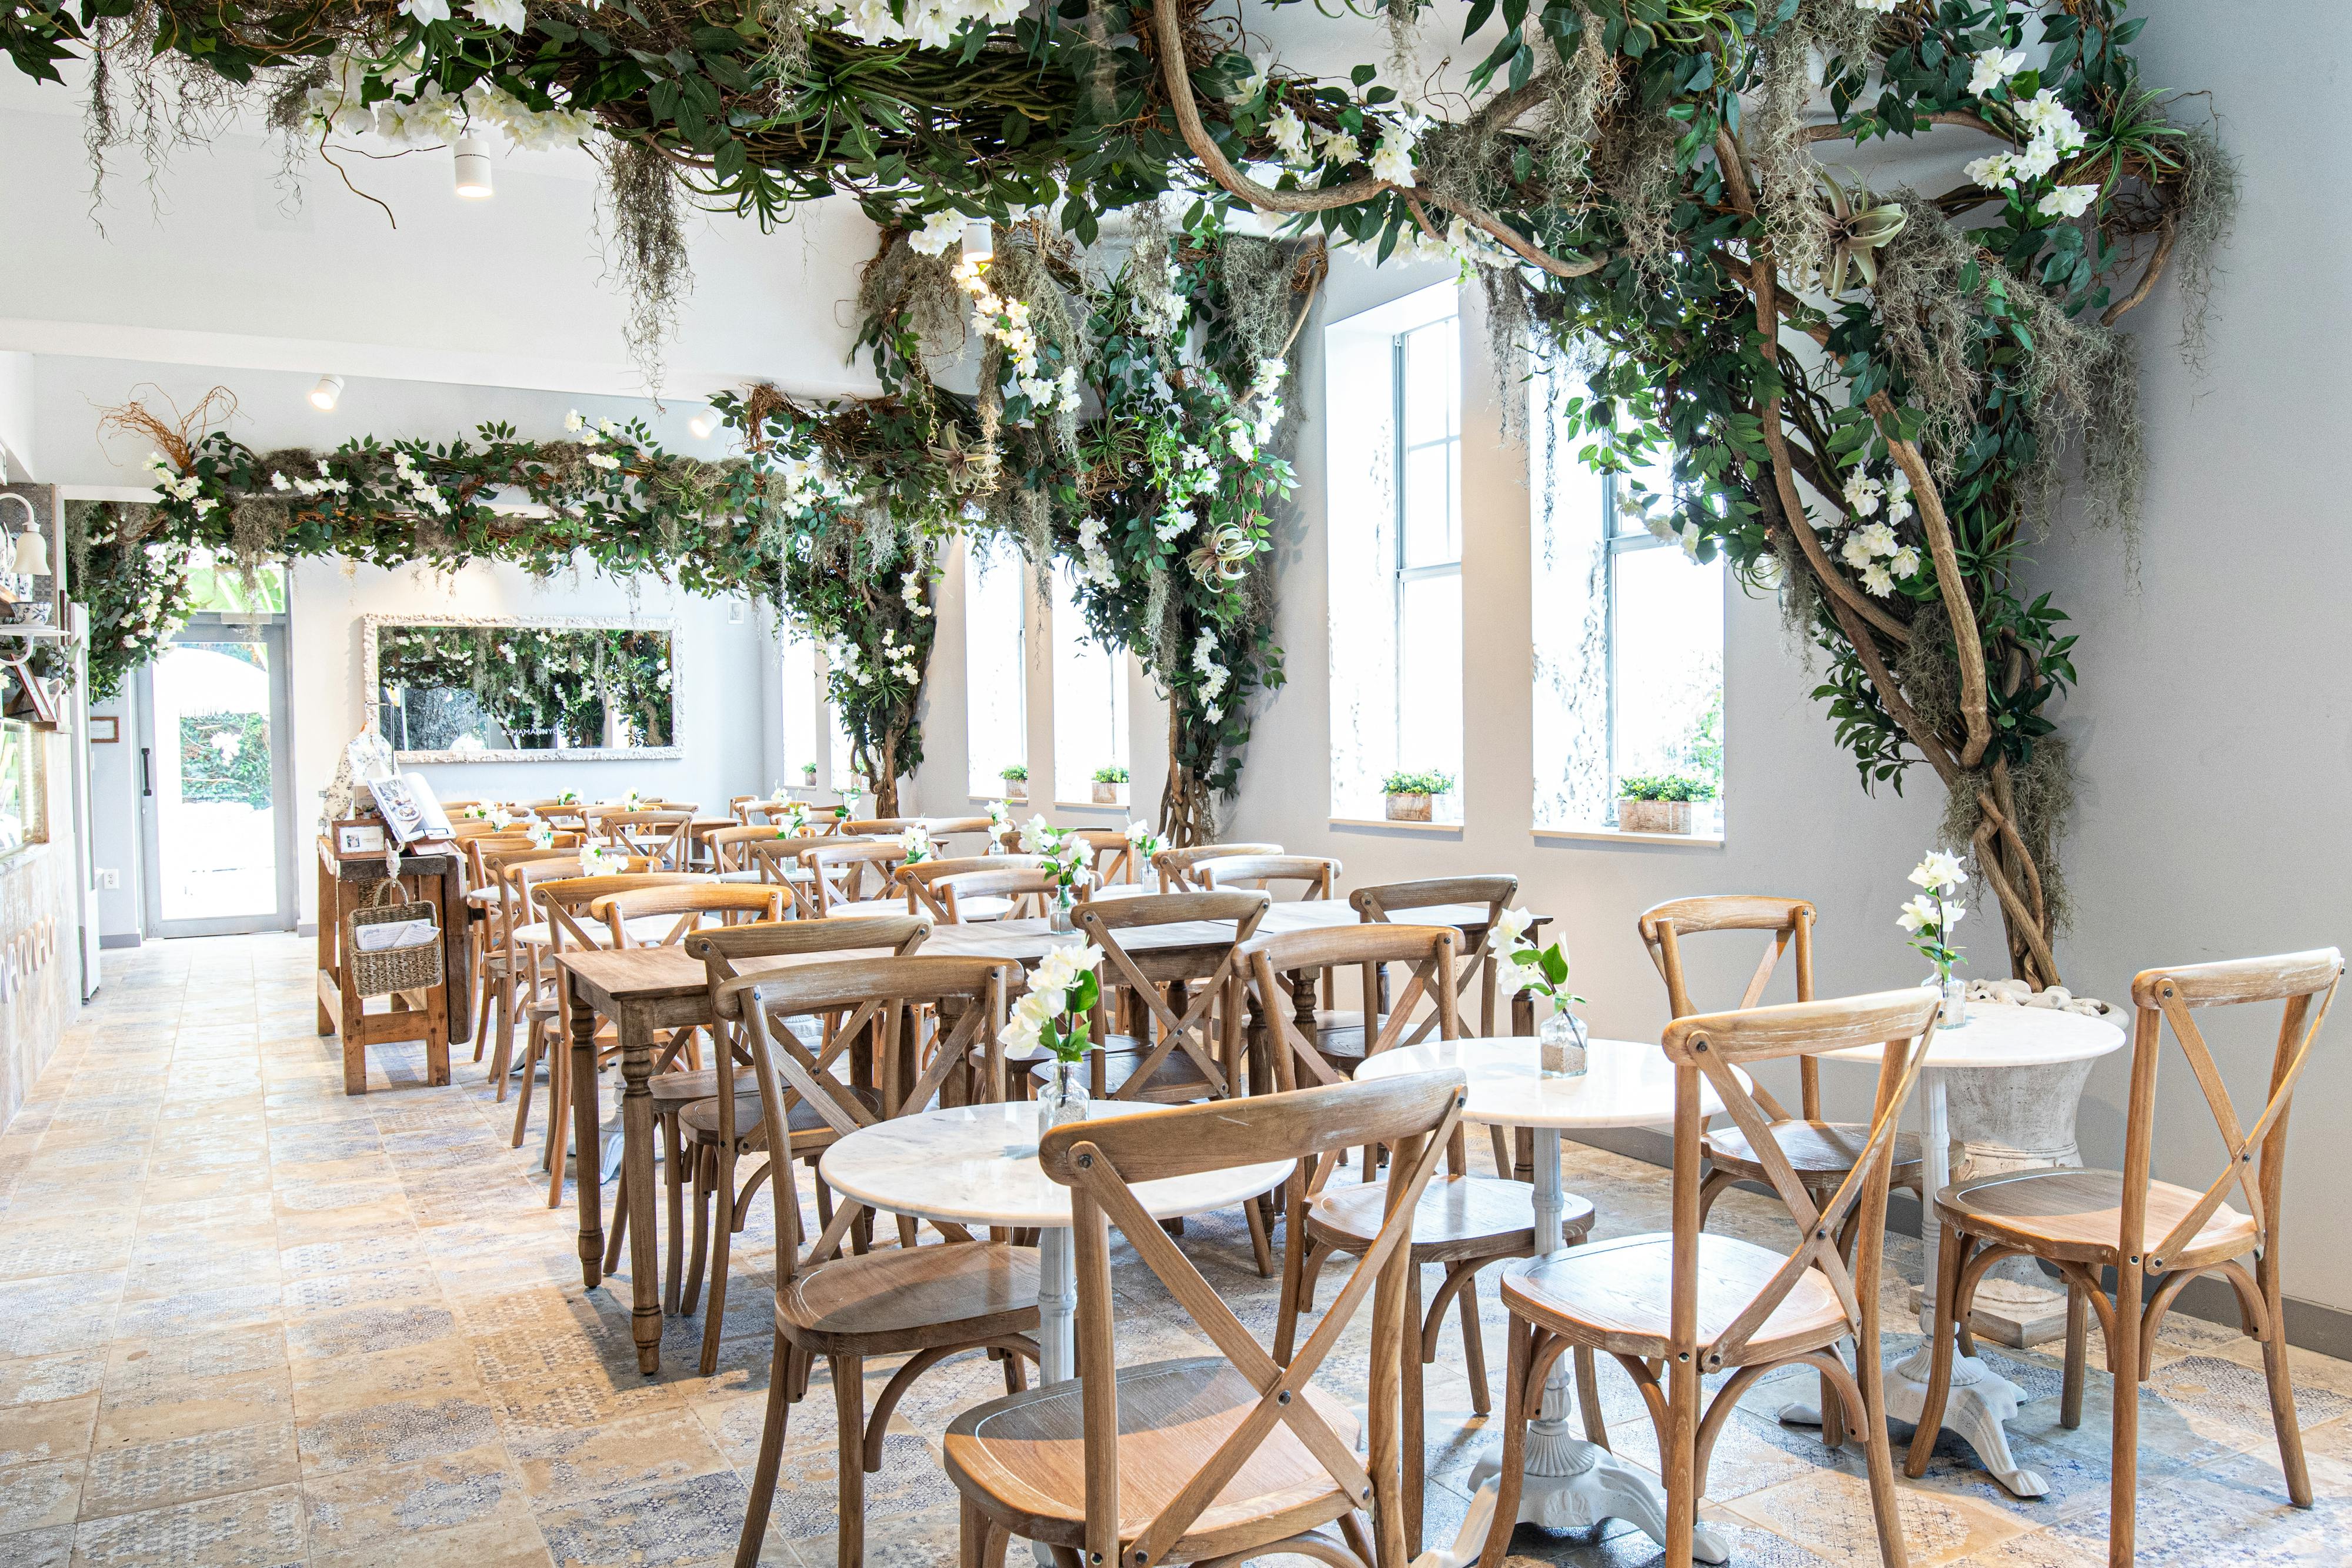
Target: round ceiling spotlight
[[703, 424], [473, 160], [323, 396]]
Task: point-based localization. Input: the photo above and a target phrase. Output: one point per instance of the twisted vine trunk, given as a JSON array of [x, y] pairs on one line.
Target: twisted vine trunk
[[1186, 816]]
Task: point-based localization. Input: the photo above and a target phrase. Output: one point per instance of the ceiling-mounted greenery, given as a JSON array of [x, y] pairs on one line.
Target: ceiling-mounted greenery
[[1865, 397]]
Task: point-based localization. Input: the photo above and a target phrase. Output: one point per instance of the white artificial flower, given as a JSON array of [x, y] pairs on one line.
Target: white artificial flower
[[1036, 835], [1392, 159], [1993, 170], [575, 421], [1940, 870], [1904, 563], [1289, 133], [1855, 552], [1881, 6], [871, 21], [940, 230], [1994, 68], [1510, 979], [1510, 928], [1877, 579], [1861, 493], [2036, 161], [1877, 538], [505, 13], [603, 460], [2067, 201], [1249, 87], [426, 11], [1917, 915], [1339, 147]]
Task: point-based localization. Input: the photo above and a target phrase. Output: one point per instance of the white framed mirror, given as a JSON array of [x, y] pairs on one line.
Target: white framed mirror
[[518, 688]]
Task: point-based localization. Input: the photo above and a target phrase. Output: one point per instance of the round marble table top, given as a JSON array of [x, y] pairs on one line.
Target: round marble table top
[[2000, 1034], [1626, 1083], [977, 1164]]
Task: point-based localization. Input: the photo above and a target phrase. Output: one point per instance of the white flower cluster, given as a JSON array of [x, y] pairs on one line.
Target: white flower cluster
[[1393, 154], [1883, 8], [1048, 996], [191, 488], [505, 13], [1392, 159], [1147, 842], [933, 24], [1214, 676], [899, 657], [1064, 857], [598, 861], [1159, 304], [1931, 912], [420, 112], [910, 589], [1094, 561], [2053, 133], [917, 842], [940, 230], [1006, 323], [1993, 69], [325, 484], [805, 485], [577, 422], [1872, 550], [1519, 970], [421, 488], [1055, 392]]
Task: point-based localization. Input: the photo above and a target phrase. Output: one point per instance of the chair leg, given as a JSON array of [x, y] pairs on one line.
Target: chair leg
[[722, 1233], [1949, 1260], [1474, 1346], [1587, 1396], [2275, 1369], [502, 1051], [1260, 1243], [1678, 1460], [1879, 1462], [1517, 1413], [558, 1120], [2078, 1334], [1412, 1422], [1717, 1183], [620, 1224], [522, 1095], [849, 1415], [693, 1287], [772, 1451], [674, 1194], [2123, 1357], [972, 1535], [1500, 1138]]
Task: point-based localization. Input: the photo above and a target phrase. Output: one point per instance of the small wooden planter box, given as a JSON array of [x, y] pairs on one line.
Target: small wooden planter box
[[1108, 794], [1653, 816], [1410, 807]]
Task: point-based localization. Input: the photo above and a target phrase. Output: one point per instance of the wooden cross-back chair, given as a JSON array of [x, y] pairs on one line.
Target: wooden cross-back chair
[[847, 872], [1316, 875], [869, 826], [776, 856], [1110, 856], [563, 902], [977, 888], [1695, 1303], [1466, 1222], [498, 968], [1222, 1457], [1820, 1152], [729, 859], [943, 828], [1175, 866], [925, 1304], [562, 814], [1385, 902], [661, 834], [2086, 1223], [530, 995]]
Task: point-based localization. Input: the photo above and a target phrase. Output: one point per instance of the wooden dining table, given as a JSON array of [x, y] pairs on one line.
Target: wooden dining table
[[645, 990]]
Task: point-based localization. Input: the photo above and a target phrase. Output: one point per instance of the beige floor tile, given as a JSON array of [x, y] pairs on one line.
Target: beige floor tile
[[36, 1379], [245, 1530], [34, 1496], [378, 1504], [438, 1369], [564, 1466], [53, 1429], [493, 1543], [136, 1477], [1829, 1514]]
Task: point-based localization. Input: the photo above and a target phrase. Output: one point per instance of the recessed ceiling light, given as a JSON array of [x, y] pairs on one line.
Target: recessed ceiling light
[[323, 396], [473, 160], [703, 424]]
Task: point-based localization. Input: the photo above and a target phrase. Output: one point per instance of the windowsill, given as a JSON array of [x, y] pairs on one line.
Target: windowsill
[[985, 799], [1380, 822], [1618, 835], [1088, 806]]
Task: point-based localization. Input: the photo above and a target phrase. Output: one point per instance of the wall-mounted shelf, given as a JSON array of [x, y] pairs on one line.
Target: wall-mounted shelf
[[39, 633]]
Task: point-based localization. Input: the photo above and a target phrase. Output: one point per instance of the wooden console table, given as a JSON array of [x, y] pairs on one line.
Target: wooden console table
[[344, 885]]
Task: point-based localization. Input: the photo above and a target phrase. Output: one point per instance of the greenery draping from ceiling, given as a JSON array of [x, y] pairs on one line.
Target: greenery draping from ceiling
[[1868, 399]]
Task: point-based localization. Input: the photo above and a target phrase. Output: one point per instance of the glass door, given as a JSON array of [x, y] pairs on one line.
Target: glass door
[[215, 782]]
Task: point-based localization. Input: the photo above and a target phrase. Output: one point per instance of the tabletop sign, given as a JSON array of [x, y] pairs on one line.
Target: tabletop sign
[[358, 840]]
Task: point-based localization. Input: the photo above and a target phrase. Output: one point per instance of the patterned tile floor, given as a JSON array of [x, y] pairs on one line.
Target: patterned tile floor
[[244, 1320]]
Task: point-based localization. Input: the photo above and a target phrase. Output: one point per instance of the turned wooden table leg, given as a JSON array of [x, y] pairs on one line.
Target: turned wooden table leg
[[637, 1176], [583, 1126]]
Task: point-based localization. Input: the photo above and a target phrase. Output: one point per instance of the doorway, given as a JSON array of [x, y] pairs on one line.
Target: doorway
[[215, 782]]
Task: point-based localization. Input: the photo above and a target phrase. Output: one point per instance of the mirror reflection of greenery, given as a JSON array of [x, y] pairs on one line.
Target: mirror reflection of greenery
[[537, 679], [224, 758]]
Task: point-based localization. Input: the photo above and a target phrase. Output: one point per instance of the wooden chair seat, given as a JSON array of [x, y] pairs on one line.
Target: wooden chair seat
[[1458, 1217], [698, 1122], [1616, 1296], [867, 908], [1025, 1454], [1819, 1152], [915, 1297], [1178, 1077], [2077, 1215]]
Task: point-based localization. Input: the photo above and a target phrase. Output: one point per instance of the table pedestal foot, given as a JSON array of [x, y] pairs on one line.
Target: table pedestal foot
[[1980, 1400], [1572, 1484]]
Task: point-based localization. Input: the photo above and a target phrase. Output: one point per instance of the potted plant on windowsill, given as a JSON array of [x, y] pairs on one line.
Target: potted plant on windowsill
[[1659, 803], [1111, 785], [808, 775], [1411, 797], [1017, 782]]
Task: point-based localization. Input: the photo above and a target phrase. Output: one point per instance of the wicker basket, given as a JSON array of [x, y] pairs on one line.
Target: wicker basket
[[379, 974]]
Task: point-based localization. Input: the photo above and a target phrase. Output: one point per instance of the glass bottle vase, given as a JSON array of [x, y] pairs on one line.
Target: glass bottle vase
[[1063, 1096], [1561, 1046], [1954, 990], [1059, 921]]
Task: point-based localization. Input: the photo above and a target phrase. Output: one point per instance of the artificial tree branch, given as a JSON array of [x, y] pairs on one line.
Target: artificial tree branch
[[2020, 919], [1762, 284], [2167, 233], [1835, 130], [1975, 710], [1890, 695]]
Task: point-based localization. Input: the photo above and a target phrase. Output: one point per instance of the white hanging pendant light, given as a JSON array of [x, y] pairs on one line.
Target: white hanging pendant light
[[473, 159]]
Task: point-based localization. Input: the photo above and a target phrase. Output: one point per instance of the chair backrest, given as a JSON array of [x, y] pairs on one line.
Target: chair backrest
[[841, 868], [660, 835], [726, 846], [735, 903], [1029, 887], [1176, 865], [2305, 982], [1110, 855], [563, 902], [1715, 1046], [941, 827], [873, 825], [1371, 948], [1788, 922], [1102, 1161], [1316, 875], [928, 882], [1178, 1025], [1384, 903]]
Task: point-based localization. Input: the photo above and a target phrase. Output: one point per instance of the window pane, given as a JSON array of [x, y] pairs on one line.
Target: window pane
[[1430, 534], [1667, 631], [1428, 677], [218, 586], [1433, 375], [996, 706], [1089, 700], [801, 699]]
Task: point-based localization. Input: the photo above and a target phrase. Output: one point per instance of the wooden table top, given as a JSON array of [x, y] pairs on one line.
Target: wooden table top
[[664, 973]]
